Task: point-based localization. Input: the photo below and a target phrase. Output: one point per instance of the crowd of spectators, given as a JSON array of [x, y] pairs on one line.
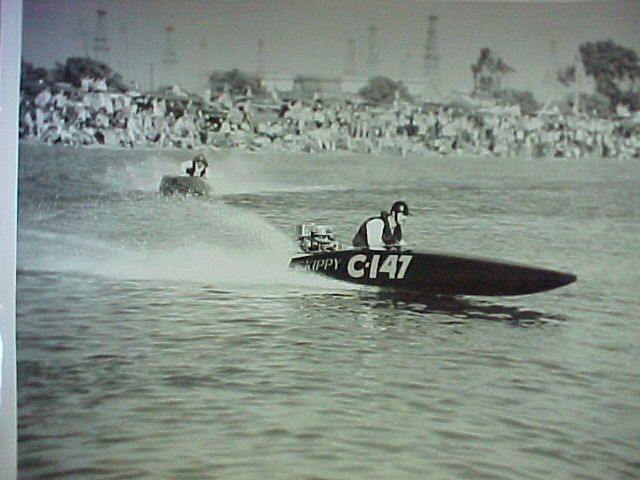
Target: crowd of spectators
[[93, 115]]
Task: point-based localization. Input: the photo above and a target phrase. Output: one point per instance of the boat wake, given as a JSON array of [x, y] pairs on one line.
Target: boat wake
[[250, 262]]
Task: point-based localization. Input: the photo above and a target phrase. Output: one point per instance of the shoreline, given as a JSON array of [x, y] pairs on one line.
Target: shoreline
[[130, 121], [207, 150]]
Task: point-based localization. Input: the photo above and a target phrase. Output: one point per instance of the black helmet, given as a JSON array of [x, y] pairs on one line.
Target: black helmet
[[400, 207], [200, 159]]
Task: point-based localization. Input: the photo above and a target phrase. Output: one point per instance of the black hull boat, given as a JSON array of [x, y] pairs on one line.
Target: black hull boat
[[183, 185], [427, 272], [433, 273]]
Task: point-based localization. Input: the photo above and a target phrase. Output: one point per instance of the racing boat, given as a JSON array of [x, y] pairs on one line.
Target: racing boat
[[418, 270], [183, 184]]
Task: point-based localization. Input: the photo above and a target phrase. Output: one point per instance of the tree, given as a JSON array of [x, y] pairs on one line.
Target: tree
[[236, 81], [382, 90], [524, 99], [567, 75], [594, 104], [76, 68], [615, 70], [488, 72], [33, 79]]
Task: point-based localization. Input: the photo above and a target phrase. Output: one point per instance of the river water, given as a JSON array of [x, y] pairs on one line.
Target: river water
[[163, 338]]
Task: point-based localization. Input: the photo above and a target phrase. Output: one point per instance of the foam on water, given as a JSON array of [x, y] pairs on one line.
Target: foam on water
[[149, 236], [258, 259]]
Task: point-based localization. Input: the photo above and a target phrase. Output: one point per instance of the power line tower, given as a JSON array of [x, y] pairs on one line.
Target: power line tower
[[261, 66], [431, 59], [551, 70], [83, 33], [124, 35], [372, 51], [350, 68], [202, 69], [169, 57], [550, 82], [404, 62], [100, 40]]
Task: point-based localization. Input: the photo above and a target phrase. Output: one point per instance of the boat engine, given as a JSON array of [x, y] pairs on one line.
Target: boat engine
[[314, 238]]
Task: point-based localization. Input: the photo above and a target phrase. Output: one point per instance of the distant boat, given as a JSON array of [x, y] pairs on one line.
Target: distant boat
[[183, 185]]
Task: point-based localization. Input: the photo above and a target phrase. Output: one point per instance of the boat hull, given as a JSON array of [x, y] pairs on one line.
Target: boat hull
[[433, 273], [176, 185]]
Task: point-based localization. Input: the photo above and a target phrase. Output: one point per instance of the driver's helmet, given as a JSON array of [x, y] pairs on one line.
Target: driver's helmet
[[200, 159], [400, 207]]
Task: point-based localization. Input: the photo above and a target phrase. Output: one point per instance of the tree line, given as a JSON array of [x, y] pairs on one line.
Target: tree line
[[614, 70]]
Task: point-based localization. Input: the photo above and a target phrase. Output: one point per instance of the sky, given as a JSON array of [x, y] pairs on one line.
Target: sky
[[312, 36]]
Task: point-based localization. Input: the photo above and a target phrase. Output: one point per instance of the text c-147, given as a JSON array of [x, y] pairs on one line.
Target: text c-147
[[395, 266]]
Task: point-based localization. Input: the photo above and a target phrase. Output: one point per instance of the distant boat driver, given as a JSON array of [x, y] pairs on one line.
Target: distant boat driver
[[383, 231], [197, 167]]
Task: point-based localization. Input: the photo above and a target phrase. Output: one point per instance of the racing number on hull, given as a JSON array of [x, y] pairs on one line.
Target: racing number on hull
[[395, 266]]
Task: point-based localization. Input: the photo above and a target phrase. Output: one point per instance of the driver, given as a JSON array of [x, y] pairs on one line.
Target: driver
[[383, 231], [198, 167]]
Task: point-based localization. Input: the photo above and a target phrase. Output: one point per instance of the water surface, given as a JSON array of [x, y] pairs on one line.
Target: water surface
[[164, 338]]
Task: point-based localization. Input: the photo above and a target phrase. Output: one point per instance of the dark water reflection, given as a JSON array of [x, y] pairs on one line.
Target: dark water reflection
[[398, 306]]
